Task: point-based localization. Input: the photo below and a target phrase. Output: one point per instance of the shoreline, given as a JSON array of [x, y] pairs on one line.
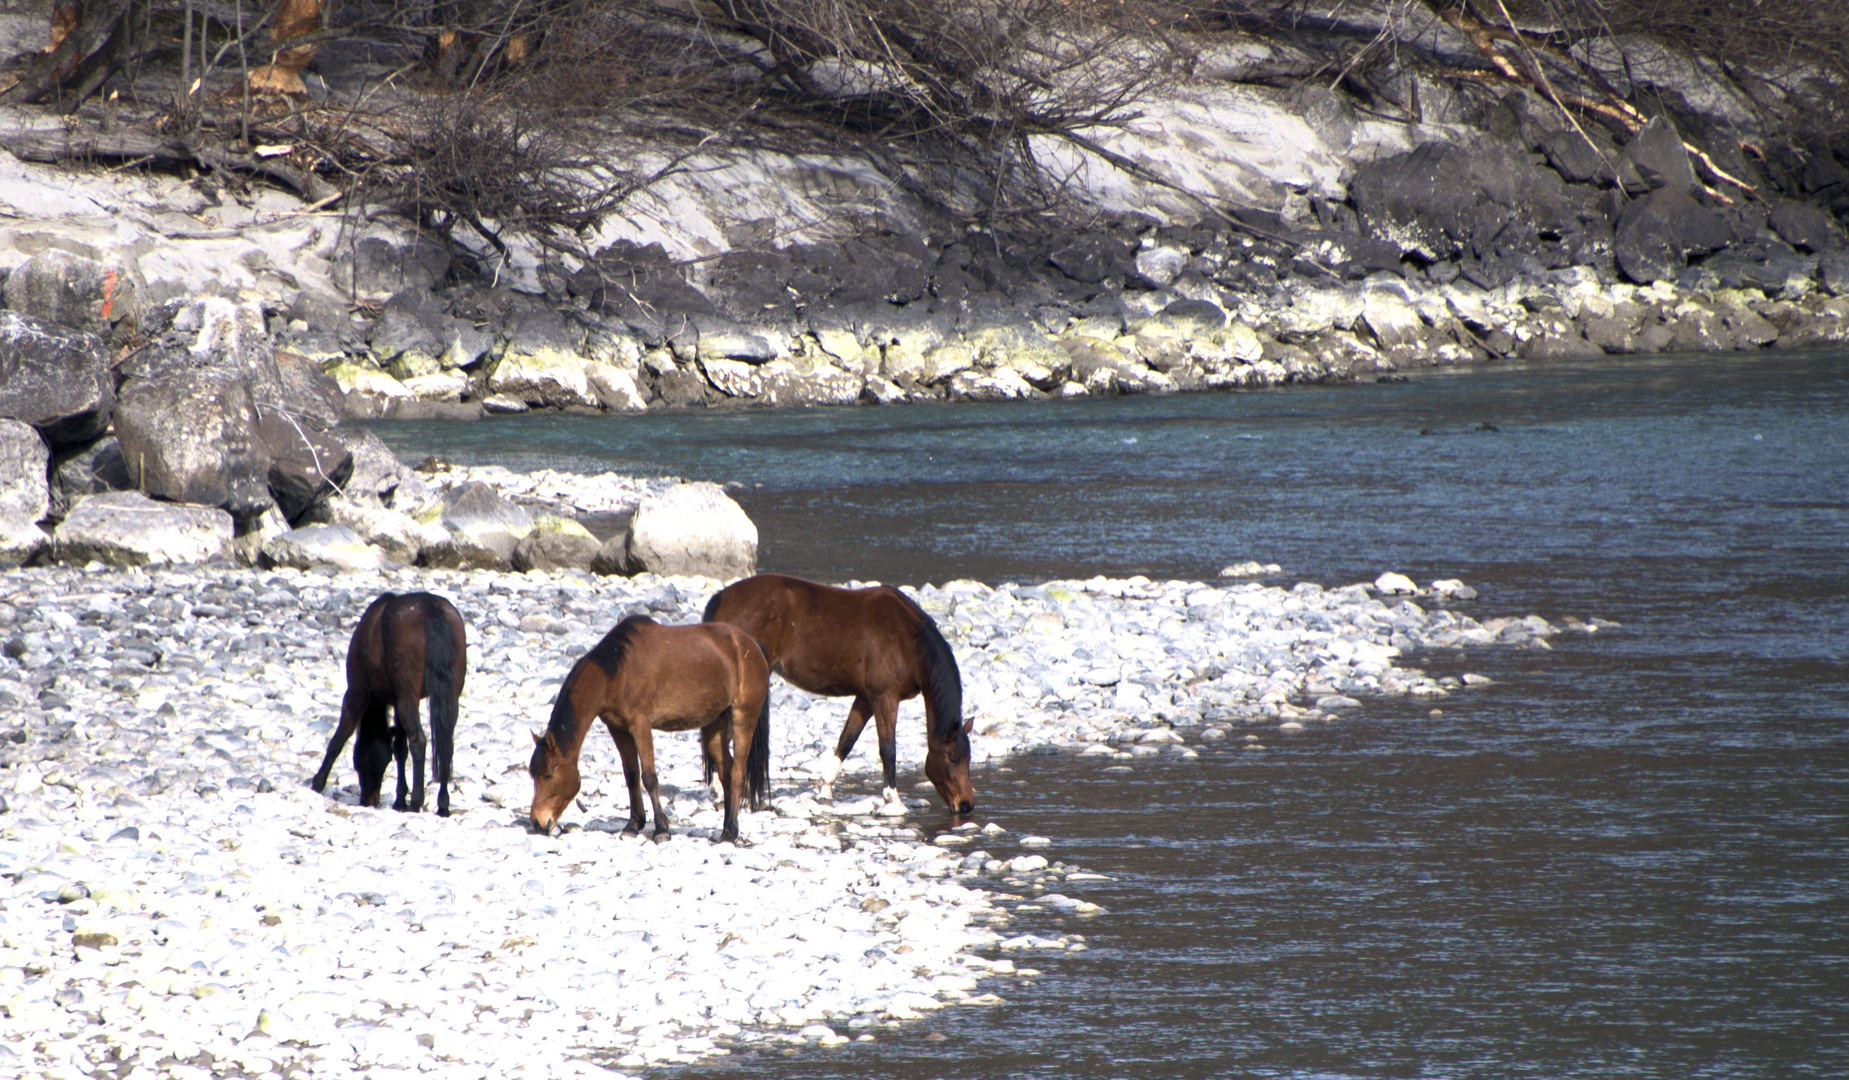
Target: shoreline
[[176, 890]]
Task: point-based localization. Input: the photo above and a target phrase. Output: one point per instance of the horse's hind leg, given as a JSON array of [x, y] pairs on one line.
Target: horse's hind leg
[[410, 736], [830, 765], [720, 748], [351, 706], [626, 750]]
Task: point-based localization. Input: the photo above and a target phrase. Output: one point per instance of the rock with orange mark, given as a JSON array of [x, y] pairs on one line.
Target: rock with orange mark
[[96, 296]]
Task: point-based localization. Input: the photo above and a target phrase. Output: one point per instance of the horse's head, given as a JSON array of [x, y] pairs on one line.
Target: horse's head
[[555, 781], [947, 767]]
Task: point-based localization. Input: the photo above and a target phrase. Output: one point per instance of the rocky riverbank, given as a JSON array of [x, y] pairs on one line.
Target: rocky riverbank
[[174, 899]]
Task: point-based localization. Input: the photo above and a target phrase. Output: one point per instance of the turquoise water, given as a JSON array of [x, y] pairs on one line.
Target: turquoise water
[[1630, 857]]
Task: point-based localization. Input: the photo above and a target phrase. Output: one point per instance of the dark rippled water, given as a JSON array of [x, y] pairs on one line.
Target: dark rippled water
[[1630, 857]]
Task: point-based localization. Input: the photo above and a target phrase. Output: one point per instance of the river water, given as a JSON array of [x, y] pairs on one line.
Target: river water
[[1629, 857]]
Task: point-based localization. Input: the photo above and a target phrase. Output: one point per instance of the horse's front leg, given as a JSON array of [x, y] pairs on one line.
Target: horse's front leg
[[645, 756], [411, 729], [886, 726], [626, 750], [830, 765], [351, 707]]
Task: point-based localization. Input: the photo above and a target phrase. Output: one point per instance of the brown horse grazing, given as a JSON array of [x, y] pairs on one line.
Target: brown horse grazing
[[406, 648], [875, 644], [644, 677]]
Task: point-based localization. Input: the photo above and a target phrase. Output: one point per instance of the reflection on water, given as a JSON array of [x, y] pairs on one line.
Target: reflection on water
[[1629, 857]]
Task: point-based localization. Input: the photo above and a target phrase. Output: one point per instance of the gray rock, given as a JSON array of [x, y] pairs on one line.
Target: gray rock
[[191, 436], [1805, 227], [1833, 271], [126, 528], [556, 544], [56, 379], [379, 267], [25, 485], [1657, 153], [305, 464], [481, 520], [21, 541], [77, 292], [1656, 234], [91, 470], [323, 545], [376, 470], [692, 529]]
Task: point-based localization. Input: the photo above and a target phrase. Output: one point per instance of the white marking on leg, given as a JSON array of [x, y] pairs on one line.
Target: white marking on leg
[[827, 767]]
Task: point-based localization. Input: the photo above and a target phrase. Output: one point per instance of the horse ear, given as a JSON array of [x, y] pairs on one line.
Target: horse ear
[[535, 735], [969, 726]]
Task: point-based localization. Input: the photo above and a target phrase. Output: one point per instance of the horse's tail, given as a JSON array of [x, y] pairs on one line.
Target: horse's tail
[[942, 681], [441, 688], [757, 763], [712, 607]]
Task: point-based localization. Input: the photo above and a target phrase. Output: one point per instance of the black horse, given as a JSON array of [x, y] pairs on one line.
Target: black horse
[[406, 648]]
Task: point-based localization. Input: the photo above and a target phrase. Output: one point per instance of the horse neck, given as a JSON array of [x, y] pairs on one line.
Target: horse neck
[[571, 741]]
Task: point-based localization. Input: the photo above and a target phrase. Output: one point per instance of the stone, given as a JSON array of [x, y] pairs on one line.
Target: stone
[[25, 484], [1805, 227], [191, 436], [480, 520], [1392, 584], [88, 470], [1656, 234], [617, 389], [306, 464], [692, 529], [380, 266], [399, 536], [556, 543], [21, 540], [1656, 152], [127, 528], [76, 292], [551, 378], [56, 379], [314, 546]]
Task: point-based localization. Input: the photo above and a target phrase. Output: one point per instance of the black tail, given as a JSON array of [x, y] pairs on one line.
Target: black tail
[[757, 763], [441, 688], [712, 607], [942, 679]]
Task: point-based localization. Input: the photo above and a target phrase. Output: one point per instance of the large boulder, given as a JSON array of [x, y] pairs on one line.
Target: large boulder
[[305, 464], [56, 379], [399, 535], [191, 436], [25, 487], [483, 528], [309, 395], [126, 528], [333, 546], [1657, 233], [1440, 199], [692, 529], [76, 292], [556, 543]]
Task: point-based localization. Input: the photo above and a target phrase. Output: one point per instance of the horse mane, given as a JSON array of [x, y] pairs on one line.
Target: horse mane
[[942, 679], [608, 656]]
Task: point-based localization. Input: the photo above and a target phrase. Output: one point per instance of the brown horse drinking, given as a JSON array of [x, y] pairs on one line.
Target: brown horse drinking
[[644, 677], [406, 648], [875, 644]]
